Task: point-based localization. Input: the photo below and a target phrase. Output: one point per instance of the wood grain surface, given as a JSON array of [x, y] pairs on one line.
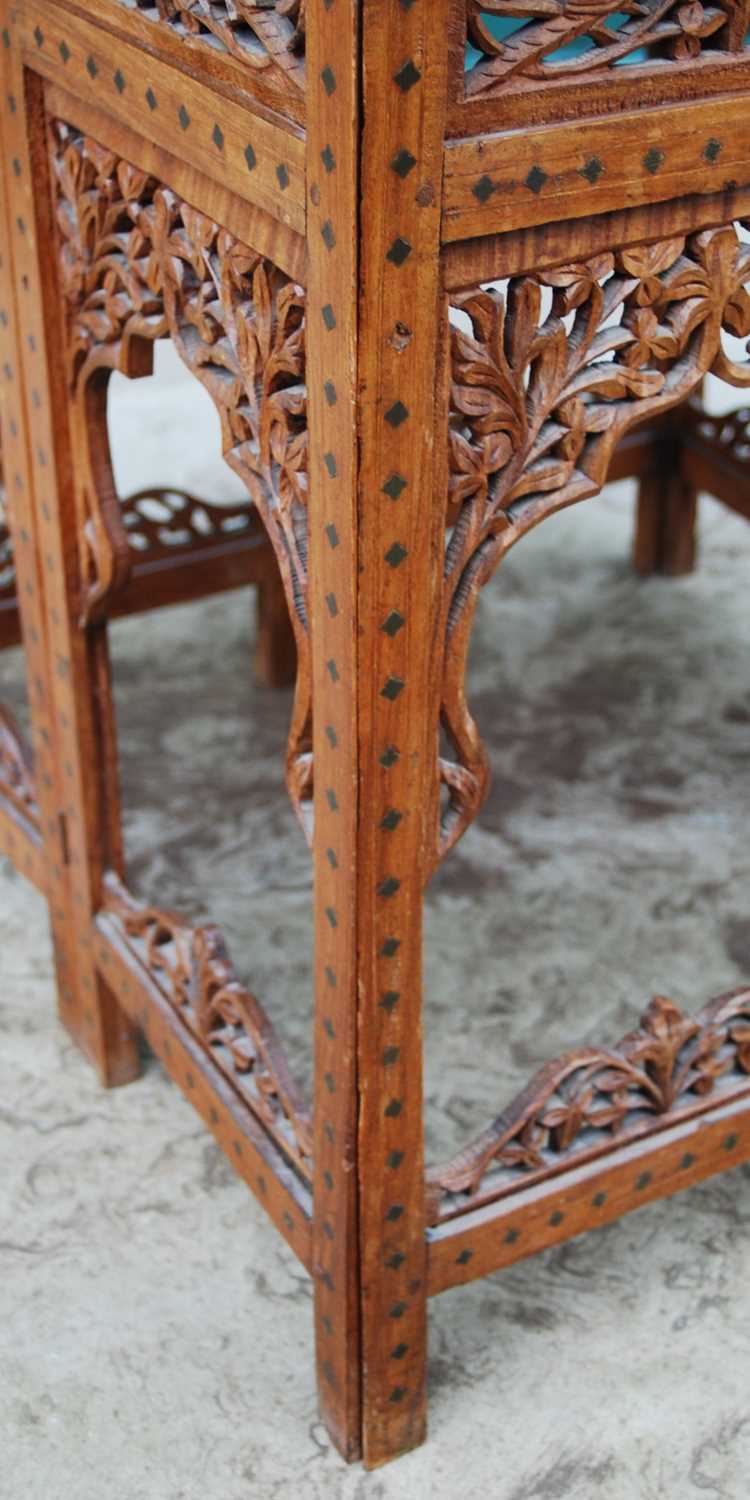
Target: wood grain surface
[[399, 426], [333, 227]]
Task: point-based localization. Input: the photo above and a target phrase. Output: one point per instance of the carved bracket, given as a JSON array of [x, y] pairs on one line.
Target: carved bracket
[[139, 264], [547, 376], [193, 969], [596, 1098]]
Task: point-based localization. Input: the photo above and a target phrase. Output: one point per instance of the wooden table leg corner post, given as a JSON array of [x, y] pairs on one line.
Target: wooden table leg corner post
[[435, 295]]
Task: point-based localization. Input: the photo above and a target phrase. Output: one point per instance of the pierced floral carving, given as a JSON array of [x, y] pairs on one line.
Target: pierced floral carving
[[139, 264], [193, 969], [16, 768], [593, 1099], [547, 375], [269, 34], [527, 42]]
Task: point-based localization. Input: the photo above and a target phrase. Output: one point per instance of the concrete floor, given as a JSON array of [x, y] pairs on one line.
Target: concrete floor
[[155, 1334]]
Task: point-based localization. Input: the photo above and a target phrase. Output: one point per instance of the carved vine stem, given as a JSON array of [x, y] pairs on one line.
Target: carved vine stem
[[595, 1098], [542, 48], [193, 969], [547, 376], [138, 264]]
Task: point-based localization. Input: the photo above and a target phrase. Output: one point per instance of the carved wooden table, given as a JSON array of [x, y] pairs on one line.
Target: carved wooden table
[[441, 265]]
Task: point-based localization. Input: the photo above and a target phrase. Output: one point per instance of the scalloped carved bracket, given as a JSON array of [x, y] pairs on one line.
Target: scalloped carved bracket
[[593, 1099], [547, 375], [138, 264], [193, 969]]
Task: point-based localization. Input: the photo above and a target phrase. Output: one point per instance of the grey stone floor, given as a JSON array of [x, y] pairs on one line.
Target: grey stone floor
[[155, 1335]]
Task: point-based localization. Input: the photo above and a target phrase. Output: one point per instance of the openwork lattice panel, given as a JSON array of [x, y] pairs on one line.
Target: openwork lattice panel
[[515, 45]]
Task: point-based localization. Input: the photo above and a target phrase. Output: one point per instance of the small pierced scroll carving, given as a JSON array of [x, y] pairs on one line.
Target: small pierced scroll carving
[[16, 769], [547, 376], [596, 1098], [728, 435], [268, 34], [525, 43], [138, 264], [160, 521], [192, 967]]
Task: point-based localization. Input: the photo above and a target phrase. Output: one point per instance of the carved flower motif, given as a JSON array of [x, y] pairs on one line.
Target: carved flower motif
[[651, 339], [645, 265], [574, 283]]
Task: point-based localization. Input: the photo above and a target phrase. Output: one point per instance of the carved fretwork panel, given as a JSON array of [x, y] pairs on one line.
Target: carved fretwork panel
[[138, 264], [547, 375], [525, 46], [160, 522], [192, 967], [269, 35], [17, 769], [596, 1098]]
